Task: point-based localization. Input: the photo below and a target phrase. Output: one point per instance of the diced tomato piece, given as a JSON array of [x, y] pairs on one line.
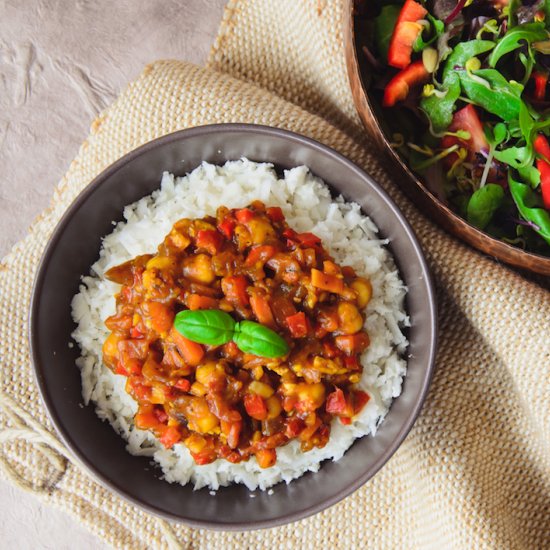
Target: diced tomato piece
[[232, 431], [308, 239], [259, 255], [209, 240], [204, 458], [351, 344], [406, 31], [336, 402], [244, 215], [351, 362], [146, 420], [196, 301], [266, 457], [360, 399], [183, 384], [136, 333], [192, 352], [260, 307], [142, 392], [465, 119], [160, 414], [121, 369], [255, 406], [127, 293], [398, 87], [231, 350], [234, 288], [289, 402], [133, 366], [541, 80], [170, 437], [345, 420], [294, 426], [331, 283], [275, 214], [298, 325], [160, 315], [226, 227]]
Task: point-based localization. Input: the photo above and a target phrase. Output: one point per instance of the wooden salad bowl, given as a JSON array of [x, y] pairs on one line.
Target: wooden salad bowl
[[415, 188]]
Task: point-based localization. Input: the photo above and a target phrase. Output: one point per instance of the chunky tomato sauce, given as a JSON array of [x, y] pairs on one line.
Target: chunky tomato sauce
[[217, 400]]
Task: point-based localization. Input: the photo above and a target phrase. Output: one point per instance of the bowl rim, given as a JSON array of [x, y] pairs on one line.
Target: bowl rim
[[415, 187], [37, 367]]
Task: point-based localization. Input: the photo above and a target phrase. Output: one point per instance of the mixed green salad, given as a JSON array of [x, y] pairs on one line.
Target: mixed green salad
[[465, 87]]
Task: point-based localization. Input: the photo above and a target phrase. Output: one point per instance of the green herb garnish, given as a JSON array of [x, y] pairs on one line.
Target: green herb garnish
[[214, 328]]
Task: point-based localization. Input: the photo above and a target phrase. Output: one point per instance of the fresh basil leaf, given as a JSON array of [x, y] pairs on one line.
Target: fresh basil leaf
[[464, 51], [384, 25], [439, 110], [205, 326], [529, 205], [259, 340], [529, 32], [502, 99], [517, 157], [483, 204]]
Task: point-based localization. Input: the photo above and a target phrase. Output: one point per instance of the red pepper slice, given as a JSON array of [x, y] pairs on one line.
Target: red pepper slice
[[234, 289], [259, 255], [543, 166], [209, 240], [170, 437], [183, 384], [541, 80], [298, 325], [244, 215], [226, 227], [398, 87], [336, 402], [405, 33], [255, 406], [275, 214]]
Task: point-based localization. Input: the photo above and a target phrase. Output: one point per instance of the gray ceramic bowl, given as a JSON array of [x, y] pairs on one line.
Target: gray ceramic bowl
[[75, 245]]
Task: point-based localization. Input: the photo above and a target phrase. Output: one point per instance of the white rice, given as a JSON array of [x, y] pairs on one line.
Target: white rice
[[307, 204]]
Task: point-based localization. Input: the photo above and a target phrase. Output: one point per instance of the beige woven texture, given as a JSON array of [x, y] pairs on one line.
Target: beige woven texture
[[474, 471]]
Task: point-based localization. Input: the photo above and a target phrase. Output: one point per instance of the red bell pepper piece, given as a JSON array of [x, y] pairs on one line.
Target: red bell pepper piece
[[244, 215], [351, 344], [255, 406], [465, 119], [294, 426], [197, 301], [398, 87], [260, 307], [336, 402], [191, 352], [183, 384], [275, 214], [360, 399], [406, 31], [541, 80], [298, 325], [259, 255], [543, 166], [160, 414], [226, 227], [209, 240], [234, 289], [170, 437]]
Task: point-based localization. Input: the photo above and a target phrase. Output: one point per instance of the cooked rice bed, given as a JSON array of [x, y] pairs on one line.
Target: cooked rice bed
[[308, 206]]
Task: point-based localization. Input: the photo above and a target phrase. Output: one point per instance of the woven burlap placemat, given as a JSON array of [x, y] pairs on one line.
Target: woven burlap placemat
[[474, 471]]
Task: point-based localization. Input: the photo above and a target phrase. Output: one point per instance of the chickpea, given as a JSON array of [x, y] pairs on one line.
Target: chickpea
[[363, 288], [198, 268], [350, 319]]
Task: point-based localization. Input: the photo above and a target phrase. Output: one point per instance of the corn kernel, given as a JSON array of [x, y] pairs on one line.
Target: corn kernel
[[261, 389]]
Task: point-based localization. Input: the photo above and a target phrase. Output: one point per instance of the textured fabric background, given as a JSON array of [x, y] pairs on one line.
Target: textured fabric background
[[475, 470]]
